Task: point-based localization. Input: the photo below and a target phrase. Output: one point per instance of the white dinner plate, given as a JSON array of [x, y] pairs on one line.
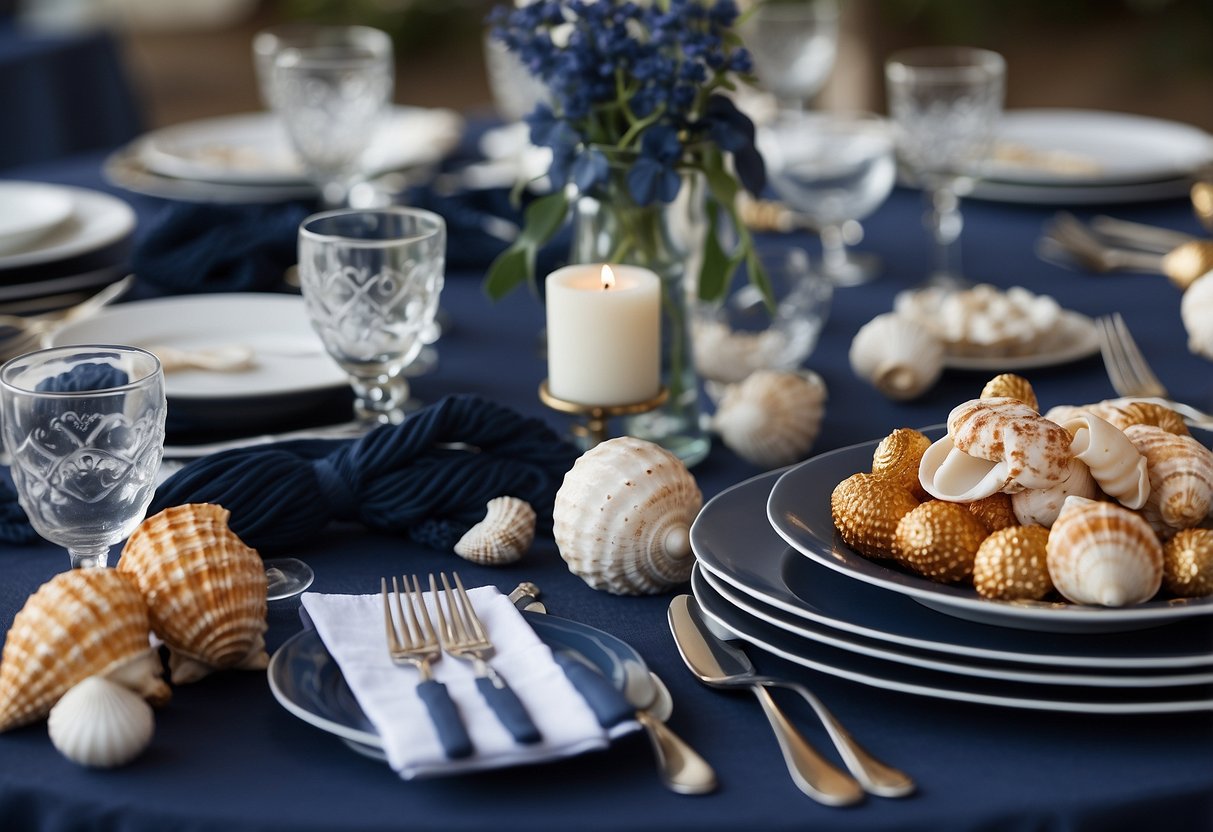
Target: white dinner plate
[[28, 210], [799, 510], [95, 221], [1021, 194], [125, 169], [734, 544], [1075, 338]]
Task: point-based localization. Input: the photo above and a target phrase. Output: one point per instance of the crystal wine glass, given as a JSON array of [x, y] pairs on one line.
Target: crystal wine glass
[[85, 427], [794, 45], [371, 281], [945, 103]]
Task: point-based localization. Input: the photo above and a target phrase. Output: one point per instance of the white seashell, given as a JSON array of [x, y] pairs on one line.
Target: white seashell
[[1196, 310], [503, 536], [101, 724], [947, 473], [1040, 506], [622, 517], [899, 357], [1115, 464], [1181, 476], [1102, 553], [728, 356], [772, 418]]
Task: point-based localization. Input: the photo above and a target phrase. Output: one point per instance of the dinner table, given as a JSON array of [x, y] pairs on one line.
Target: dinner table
[[227, 756]]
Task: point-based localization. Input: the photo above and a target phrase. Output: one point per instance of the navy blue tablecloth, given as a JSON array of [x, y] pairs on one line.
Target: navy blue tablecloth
[[226, 757]]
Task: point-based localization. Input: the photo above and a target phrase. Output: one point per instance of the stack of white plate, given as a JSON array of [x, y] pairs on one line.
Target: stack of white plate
[[817, 603]]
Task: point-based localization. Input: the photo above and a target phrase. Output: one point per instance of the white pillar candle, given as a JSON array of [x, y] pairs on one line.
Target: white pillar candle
[[604, 340]]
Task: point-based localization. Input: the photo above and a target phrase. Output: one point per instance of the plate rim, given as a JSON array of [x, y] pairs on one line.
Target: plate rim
[[61, 205], [88, 205], [1084, 343]]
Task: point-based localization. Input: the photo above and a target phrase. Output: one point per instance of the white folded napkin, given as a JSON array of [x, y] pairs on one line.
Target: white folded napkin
[[351, 627]]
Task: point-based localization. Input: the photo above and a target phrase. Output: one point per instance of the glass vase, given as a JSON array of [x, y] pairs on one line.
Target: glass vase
[[667, 238]]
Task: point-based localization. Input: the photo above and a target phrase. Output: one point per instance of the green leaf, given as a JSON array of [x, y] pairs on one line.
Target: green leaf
[[543, 219], [714, 278], [507, 271], [760, 280], [516, 264]]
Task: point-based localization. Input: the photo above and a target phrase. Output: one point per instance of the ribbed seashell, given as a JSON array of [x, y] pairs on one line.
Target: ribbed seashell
[[86, 622], [728, 356], [1104, 554], [1187, 563], [1011, 565], [939, 540], [1114, 462], [1124, 412], [100, 724], [898, 456], [866, 509], [898, 357], [995, 512], [1040, 506], [773, 417], [1181, 475], [1010, 386], [205, 590], [1196, 311], [503, 536], [1062, 412], [623, 515]]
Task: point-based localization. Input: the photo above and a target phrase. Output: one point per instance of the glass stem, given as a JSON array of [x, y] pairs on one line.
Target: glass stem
[[380, 400], [833, 249], [89, 558], [945, 222]]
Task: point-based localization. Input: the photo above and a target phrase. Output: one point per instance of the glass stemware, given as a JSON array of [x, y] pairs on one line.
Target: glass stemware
[[945, 103], [371, 281], [794, 45], [85, 428]]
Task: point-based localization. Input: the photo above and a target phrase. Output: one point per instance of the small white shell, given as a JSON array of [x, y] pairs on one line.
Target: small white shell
[[898, 357], [100, 724], [728, 356], [623, 515], [772, 418], [503, 536], [1115, 464], [1040, 506], [1196, 309], [1101, 553]]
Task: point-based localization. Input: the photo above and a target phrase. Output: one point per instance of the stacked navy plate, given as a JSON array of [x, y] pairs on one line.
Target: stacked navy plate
[[771, 571]]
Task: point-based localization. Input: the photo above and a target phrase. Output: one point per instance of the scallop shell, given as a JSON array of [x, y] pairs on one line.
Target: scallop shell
[[898, 456], [1011, 386], [772, 418], [1181, 475], [898, 357], [82, 623], [866, 509], [1187, 563], [205, 590], [939, 540], [1196, 310], [1040, 506], [1102, 553], [1114, 462], [100, 724], [1124, 412], [1011, 565], [995, 512], [503, 536], [623, 515]]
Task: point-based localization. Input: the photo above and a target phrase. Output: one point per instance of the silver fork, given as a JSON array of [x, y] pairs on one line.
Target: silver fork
[[463, 636], [1069, 234], [414, 643], [1130, 373]]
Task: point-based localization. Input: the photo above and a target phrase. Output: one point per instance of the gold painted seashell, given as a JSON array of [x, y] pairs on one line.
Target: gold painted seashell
[[995, 511], [866, 509], [1011, 386], [622, 517], [939, 540], [1187, 563], [1104, 554], [86, 622], [772, 417], [503, 536], [898, 456], [100, 724], [1011, 565], [205, 590], [1125, 412], [1181, 476]]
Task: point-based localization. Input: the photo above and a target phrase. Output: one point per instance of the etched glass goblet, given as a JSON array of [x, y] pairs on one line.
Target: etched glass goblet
[[794, 45], [371, 281], [85, 428]]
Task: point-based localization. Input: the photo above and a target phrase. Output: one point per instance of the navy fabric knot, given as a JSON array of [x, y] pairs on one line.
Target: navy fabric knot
[[335, 491]]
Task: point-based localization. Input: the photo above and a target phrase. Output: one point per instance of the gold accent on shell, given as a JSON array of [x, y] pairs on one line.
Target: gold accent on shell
[[866, 509], [623, 515], [995, 512], [1181, 475], [1125, 412], [1104, 554], [1011, 565], [100, 724], [1196, 311], [897, 356], [1040, 506], [773, 417], [503, 536], [1187, 563], [86, 622], [939, 541], [205, 590], [1009, 385], [898, 456]]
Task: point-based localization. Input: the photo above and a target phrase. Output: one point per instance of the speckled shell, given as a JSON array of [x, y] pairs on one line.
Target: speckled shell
[[1040, 506], [1010, 386], [81, 623], [939, 540], [866, 509], [772, 418], [995, 512], [205, 590], [100, 724], [503, 536], [1181, 475], [898, 357], [623, 515], [1104, 554], [898, 456], [1011, 565], [1124, 412], [1196, 310], [1114, 462], [1187, 563]]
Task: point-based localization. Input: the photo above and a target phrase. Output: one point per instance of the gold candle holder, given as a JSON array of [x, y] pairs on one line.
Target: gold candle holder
[[594, 429]]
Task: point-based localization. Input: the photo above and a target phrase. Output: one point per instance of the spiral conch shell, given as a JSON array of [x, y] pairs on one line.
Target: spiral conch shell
[[898, 456], [623, 515], [1101, 553], [100, 724], [1181, 476], [503, 536], [1124, 412], [897, 356], [772, 418], [1011, 386], [205, 590], [1187, 566], [1196, 311], [86, 622], [1040, 506], [1114, 462]]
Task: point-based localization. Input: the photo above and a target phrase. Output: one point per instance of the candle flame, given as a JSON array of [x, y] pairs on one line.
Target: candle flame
[[608, 277]]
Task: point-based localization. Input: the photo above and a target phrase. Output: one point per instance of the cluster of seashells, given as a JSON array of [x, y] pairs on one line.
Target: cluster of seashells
[[80, 651], [1101, 503], [983, 320]]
